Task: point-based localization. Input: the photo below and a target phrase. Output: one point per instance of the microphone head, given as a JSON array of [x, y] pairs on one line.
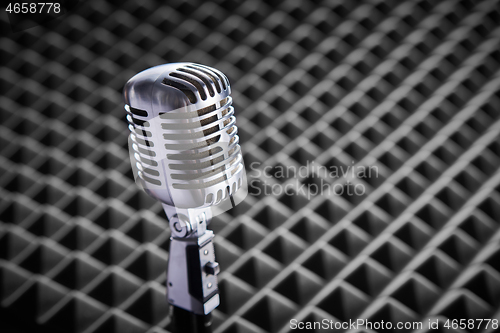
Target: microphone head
[[183, 140]]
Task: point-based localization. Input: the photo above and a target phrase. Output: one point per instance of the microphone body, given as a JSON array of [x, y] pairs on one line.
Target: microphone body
[[185, 152]]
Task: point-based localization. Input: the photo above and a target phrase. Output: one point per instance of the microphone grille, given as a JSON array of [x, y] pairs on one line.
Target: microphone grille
[[143, 145], [203, 145], [195, 80]]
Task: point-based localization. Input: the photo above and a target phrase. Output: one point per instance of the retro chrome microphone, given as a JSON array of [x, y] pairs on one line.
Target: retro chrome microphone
[[185, 153]]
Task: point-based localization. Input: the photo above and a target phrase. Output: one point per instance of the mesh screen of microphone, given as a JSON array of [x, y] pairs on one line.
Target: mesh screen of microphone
[[184, 143]]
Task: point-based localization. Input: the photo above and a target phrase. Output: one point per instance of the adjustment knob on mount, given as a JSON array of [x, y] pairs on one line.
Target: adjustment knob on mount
[[212, 268]]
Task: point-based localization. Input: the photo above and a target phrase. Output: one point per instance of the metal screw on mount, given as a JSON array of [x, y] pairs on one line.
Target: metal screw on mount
[[180, 226]]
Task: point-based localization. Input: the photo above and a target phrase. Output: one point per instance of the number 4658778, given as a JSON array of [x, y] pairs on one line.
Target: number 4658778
[[471, 324], [33, 8]]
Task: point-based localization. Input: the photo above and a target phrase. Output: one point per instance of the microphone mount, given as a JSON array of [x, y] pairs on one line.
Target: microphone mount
[[192, 270]]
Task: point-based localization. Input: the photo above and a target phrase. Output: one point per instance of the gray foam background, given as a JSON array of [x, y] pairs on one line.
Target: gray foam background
[[409, 87]]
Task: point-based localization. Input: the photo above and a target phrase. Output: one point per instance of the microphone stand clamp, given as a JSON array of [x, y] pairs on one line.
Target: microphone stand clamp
[[192, 269]]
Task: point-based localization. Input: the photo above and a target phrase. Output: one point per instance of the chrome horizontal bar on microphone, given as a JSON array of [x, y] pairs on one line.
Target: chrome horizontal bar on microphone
[[197, 114]]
